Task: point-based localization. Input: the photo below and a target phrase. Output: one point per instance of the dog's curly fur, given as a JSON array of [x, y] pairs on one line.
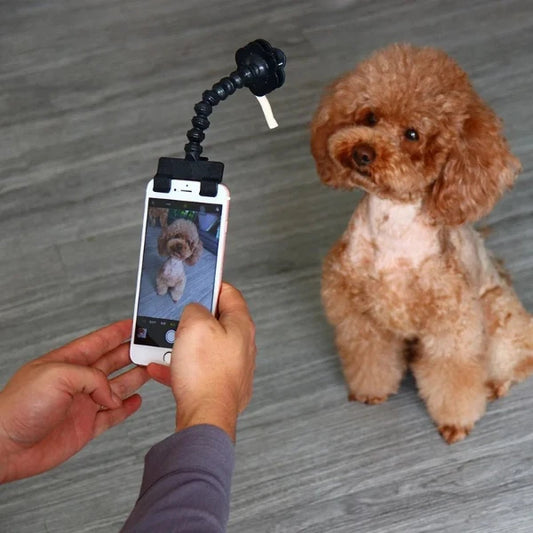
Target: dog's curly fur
[[410, 283], [181, 243]]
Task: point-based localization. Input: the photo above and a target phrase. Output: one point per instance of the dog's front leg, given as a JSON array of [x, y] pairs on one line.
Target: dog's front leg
[[176, 292], [161, 284], [451, 376], [372, 359]]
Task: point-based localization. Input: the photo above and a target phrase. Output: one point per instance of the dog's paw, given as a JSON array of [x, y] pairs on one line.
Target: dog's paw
[[363, 398], [497, 389], [452, 434], [176, 293]]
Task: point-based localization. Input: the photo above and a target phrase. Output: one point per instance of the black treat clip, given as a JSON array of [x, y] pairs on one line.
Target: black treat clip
[[260, 67]]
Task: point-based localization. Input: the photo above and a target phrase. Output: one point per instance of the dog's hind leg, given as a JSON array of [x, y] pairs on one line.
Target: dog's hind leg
[[524, 346], [510, 330], [176, 292]]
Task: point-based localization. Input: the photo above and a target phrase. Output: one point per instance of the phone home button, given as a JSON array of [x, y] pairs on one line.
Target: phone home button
[[166, 357]]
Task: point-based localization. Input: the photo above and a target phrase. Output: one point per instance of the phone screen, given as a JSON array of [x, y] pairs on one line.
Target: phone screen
[[178, 267]]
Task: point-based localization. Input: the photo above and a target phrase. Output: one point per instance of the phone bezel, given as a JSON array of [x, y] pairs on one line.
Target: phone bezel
[[187, 191]]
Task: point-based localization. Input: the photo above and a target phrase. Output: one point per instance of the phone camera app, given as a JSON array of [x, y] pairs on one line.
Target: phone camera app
[[179, 265]]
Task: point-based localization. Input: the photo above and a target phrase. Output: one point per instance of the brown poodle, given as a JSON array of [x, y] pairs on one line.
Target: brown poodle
[[180, 243], [410, 283]]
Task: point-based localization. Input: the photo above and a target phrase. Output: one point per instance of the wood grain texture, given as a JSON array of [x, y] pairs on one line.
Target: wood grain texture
[[91, 94]]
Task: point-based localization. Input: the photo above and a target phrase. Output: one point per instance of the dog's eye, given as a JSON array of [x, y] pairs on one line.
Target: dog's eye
[[411, 134], [370, 119]]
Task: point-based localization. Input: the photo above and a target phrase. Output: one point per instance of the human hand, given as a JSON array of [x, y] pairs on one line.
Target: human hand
[[213, 363], [53, 406]]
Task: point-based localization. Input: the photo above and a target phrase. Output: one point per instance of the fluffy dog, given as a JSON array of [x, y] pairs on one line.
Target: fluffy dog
[[181, 244], [410, 283]]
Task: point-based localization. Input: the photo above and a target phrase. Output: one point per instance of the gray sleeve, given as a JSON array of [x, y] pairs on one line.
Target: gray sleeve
[[186, 484]]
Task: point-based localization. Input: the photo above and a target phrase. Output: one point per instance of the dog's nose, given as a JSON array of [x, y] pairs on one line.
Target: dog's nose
[[364, 154]]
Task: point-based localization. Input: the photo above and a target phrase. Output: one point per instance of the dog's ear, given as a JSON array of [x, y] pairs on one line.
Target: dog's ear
[[328, 118], [197, 248], [162, 243], [478, 170]]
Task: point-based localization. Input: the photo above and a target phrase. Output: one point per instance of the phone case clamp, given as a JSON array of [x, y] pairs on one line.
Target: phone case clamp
[[209, 173]]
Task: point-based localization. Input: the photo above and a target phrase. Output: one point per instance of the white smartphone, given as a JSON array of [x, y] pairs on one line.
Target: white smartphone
[[182, 254]]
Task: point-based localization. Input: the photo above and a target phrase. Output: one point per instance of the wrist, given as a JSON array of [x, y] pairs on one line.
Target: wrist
[[212, 412]]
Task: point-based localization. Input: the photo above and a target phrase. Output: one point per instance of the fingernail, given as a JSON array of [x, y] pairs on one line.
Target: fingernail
[[116, 399]]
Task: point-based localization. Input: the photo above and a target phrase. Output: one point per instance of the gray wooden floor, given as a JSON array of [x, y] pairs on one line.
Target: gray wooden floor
[[91, 94]]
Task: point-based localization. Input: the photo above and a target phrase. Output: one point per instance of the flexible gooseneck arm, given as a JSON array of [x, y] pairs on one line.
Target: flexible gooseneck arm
[[260, 67]]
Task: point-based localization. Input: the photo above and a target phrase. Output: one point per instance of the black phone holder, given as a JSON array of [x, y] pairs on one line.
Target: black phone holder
[[209, 173], [260, 67]]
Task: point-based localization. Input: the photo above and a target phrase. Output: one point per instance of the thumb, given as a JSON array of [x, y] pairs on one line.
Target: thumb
[[191, 329], [231, 301], [233, 311], [193, 313]]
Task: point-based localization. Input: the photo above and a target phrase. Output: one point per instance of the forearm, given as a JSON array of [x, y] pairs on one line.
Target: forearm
[[186, 483]]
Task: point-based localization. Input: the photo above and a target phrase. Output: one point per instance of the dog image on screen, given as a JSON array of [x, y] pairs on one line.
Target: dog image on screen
[[180, 243], [410, 283]]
